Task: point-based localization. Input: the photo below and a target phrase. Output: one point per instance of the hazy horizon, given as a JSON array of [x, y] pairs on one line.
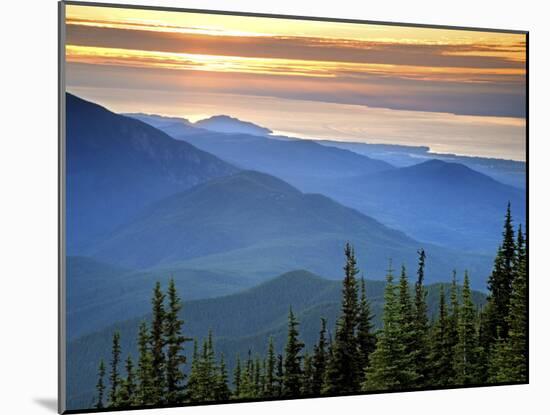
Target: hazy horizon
[[308, 128], [460, 92]]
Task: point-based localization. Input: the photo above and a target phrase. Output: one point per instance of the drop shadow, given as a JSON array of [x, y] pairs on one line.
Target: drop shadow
[[48, 403]]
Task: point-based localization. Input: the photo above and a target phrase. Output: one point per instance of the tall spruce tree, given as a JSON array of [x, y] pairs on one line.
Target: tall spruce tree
[[421, 325], [194, 375], [345, 371], [144, 389], [100, 386], [441, 350], [508, 357], [127, 391], [247, 379], [203, 379], [517, 317], [157, 343], [366, 338], [114, 376], [319, 360], [175, 341], [237, 374], [500, 283], [279, 376], [209, 370], [258, 392], [484, 342], [407, 335], [387, 370], [454, 315], [263, 378], [307, 381], [223, 392], [271, 362], [292, 376], [465, 360]]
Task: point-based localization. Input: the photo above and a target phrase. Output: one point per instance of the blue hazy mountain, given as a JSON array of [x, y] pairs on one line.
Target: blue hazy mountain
[[117, 165], [509, 172], [97, 291], [464, 213], [444, 203], [299, 162], [217, 123], [255, 225], [255, 314], [230, 125]]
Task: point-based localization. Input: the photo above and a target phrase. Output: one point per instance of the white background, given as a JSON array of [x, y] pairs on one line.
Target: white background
[[28, 204]]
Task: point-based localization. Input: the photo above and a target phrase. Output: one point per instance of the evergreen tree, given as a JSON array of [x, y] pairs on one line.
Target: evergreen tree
[[500, 283], [270, 378], [100, 386], [127, 392], [222, 389], [498, 361], [329, 364], [114, 376], [237, 374], [279, 376], [292, 363], [203, 379], [421, 325], [307, 381], [520, 259], [484, 346], [345, 371], [387, 370], [144, 392], [157, 343], [319, 360], [466, 349], [454, 315], [366, 338], [247, 380], [258, 392], [208, 370], [508, 358], [517, 317], [407, 335], [263, 378], [441, 352], [193, 393], [175, 357]]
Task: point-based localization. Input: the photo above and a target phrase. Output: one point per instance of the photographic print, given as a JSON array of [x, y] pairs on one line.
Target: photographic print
[[262, 207]]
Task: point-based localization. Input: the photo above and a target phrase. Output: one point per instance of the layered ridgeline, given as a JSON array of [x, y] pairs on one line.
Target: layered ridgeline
[[444, 203], [509, 172], [240, 322], [254, 225], [299, 162], [218, 237], [117, 165], [98, 291], [438, 202]]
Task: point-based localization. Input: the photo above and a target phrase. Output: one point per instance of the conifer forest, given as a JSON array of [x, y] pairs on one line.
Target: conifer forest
[[461, 345]]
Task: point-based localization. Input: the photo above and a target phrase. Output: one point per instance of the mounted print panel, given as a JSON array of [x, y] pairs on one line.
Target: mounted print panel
[[262, 207]]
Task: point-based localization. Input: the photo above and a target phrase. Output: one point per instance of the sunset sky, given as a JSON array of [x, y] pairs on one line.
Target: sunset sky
[[455, 91]]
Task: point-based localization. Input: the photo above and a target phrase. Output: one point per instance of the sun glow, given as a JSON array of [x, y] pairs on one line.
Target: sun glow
[[272, 66]]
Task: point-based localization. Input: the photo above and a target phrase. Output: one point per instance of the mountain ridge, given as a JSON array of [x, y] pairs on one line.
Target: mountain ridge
[[128, 163], [255, 225]]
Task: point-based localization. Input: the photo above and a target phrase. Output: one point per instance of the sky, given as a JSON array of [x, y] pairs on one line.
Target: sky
[[455, 91]]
